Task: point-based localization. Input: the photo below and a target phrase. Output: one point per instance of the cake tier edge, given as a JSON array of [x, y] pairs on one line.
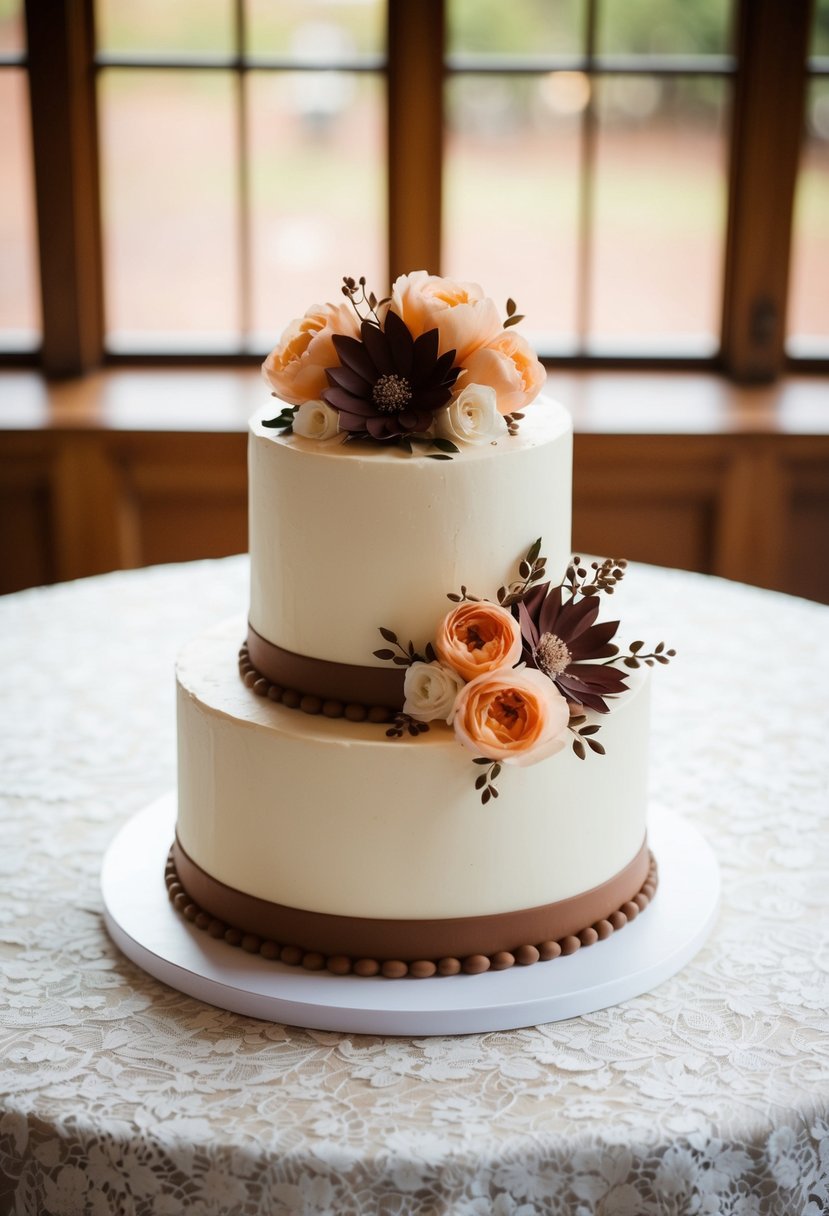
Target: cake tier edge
[[396, 948]]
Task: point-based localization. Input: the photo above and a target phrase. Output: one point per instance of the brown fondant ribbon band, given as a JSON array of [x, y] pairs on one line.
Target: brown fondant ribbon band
[[360, 937], [344, 682]]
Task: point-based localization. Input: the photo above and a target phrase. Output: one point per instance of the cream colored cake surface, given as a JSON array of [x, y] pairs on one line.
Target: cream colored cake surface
[[332, 816], [345, 538]]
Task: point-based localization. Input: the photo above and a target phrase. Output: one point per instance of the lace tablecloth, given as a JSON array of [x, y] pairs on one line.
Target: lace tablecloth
[[118, 1095]]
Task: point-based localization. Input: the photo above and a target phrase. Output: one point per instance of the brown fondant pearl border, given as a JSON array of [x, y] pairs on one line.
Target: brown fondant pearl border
[[317, 686], [417, 968], [286, 692]]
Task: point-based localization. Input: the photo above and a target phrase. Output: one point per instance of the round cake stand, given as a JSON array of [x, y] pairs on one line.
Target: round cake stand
[[150, 932]]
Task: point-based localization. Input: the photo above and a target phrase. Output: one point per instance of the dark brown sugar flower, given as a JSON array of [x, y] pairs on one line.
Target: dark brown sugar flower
[[389, 384], [561, 640]]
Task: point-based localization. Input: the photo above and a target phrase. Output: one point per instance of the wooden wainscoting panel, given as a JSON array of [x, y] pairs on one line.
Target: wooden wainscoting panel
[[651, 499], [659, 531], [85, 519], [180, 497], [27, 550], [804, 550], [752, 512]]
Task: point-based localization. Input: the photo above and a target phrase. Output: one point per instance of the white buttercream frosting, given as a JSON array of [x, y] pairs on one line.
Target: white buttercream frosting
[[346, 538], [332, 816]]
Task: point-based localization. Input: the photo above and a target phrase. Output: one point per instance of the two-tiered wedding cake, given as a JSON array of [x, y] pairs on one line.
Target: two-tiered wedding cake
[[429, 755]]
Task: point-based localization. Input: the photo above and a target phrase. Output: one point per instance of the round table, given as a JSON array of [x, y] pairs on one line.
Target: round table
[[120, 1095]]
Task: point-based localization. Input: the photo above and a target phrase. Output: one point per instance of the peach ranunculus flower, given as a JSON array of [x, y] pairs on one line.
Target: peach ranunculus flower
[[514, 715], [478, 637], [464, 317], [510, 366], [295, 368]]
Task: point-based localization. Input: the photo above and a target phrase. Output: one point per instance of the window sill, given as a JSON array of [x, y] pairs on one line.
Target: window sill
[[602, 403]]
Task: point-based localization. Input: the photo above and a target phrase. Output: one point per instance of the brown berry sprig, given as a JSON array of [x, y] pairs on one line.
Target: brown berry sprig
[[513, 316], [402, 722], [635, 657], [485, 782], [355, 291], [584, 734], [408, 654], [463, 596], [531, 569], [601, 576]]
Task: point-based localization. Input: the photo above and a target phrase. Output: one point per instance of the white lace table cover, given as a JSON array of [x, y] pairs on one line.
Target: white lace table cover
[[118, 1095]]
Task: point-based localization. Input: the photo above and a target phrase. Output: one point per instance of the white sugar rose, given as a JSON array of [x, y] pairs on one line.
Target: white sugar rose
[[431, 691], [316, 420], [472, 417]]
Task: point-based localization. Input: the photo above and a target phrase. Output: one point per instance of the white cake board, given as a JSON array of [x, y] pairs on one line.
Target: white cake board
[[144, 925]]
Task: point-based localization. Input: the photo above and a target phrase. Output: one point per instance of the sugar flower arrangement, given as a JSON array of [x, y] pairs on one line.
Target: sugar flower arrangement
[[514, 678], [431, 364]]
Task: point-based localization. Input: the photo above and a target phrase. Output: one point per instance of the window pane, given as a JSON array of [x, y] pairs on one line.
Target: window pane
[[664, 27], [316, 145], [19, 306], [510, 193], [325, 30], [520, 27], [12, 38], [820, 29], [169, 192], [659, 213], [808, 307], [809, 289], [165, 25]]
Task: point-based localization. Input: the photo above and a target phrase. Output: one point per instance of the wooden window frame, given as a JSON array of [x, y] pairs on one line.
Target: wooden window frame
[[60, 41], [772, 47], [766, 122]]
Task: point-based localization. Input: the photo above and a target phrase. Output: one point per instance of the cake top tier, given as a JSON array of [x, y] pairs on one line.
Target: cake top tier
[[345, 538], [397, 464], [432, 367]]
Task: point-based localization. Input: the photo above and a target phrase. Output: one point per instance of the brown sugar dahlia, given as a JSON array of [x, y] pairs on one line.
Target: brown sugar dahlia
[[389, 384], [561, 640]]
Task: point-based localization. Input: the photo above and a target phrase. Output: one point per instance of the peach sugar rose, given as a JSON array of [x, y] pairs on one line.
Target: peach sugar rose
[[478, 637], [510, 366], [514, 716], [464, 317], [295, 368]]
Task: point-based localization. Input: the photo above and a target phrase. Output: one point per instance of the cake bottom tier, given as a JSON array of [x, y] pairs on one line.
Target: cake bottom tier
[[326, 843]]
